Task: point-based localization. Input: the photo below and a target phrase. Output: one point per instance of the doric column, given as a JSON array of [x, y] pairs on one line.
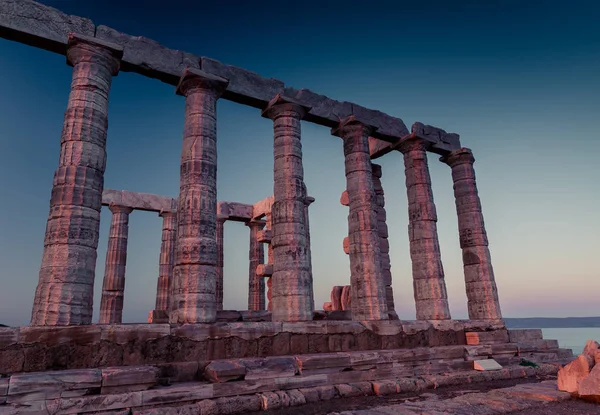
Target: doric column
[[256, 256], [220, 225], [307, 202], [382, 230], [368, 290], [195, 273], [65, 291], [482, 293], [166, 260], [429, 287], [292, 281], [269, 283], [113, 286]]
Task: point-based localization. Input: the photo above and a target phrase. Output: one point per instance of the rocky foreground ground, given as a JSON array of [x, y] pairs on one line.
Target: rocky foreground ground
[[528, 396]]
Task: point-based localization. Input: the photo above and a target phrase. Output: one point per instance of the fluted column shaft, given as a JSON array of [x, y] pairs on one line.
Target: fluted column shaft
[[256, 256], [368, 300], [195, 274], [65, 291], [431, 298], [269, 282], [166, 260], [292, 285], [382, 230], [220, 263], [113, 286], [482, 293], [307, 202]]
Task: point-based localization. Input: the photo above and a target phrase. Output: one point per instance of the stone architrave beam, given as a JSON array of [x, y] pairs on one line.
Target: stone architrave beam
[[139, 201], [262, 208], [41, 26], [233, 211]]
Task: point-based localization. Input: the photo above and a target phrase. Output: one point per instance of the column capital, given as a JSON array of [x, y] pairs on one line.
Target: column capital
[[351, 124], [411, 143], [280, 104], [114, 208], [260, 224], [192, 79], [167, 214], [458, 157], [81, 48]]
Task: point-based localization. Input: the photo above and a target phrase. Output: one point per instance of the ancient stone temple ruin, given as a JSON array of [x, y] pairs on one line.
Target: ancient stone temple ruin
[[192, 355]]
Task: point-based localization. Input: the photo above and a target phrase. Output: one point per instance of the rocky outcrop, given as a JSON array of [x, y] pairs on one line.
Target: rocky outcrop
[[582, 376]]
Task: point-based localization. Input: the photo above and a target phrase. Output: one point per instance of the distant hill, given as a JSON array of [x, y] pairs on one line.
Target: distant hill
[[551, 322]]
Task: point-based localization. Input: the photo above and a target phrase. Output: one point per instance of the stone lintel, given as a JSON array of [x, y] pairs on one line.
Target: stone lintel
[[234, 211], [440, 141], [40, 26], [139, 201]]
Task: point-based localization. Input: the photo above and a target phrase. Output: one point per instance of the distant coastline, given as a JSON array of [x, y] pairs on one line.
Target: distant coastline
[[551, 322]]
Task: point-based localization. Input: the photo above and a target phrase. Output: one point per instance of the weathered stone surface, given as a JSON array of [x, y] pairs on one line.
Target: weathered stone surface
[[487, 337], [184, 393], [139, 201], [486, 365], [589, 386], [40, 25], [570, 376], [125, 333], [234, 211], [194, 274], [271, 367], [385, 387], [590, 348], [256, 255], [66, 279], [148, 57], [113, 285], [8, 336], [524, 335], [238, 404], [368, 299], [442, 141], [219, 371], [379, 148], [132, 375], [264, 270], [292, 284], [26, 387], [166, 261], [482, 293]]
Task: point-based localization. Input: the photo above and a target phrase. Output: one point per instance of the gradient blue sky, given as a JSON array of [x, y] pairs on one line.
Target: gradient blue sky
[[518, 80]]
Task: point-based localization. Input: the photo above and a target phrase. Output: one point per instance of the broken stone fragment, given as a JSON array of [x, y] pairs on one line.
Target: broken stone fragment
[[570, 376], [589, 387]]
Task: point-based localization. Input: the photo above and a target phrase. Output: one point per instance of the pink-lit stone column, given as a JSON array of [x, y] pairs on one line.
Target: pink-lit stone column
[[431, 299], [65, 291], [195, 273], [368, 300], [382, 230], [482, 293], [292, 286], [113, 286], [256, 256], [220, 263], [269, 282], [166, 260]]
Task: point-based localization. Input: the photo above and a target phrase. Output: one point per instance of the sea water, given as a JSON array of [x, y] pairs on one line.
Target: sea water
[[573, 338]]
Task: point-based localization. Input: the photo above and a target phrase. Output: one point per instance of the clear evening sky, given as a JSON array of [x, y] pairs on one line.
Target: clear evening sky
[[518, 80]]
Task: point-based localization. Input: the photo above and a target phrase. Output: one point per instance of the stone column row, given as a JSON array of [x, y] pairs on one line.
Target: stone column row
[[256, 256]]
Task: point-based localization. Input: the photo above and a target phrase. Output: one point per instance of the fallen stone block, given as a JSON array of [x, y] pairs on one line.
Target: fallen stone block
[[487, 364], [271, 400], [25, 387], [219, 371], [589, 386], [572, 374]]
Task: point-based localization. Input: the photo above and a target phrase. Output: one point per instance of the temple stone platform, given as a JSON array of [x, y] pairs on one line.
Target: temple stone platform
[[147, 366]]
